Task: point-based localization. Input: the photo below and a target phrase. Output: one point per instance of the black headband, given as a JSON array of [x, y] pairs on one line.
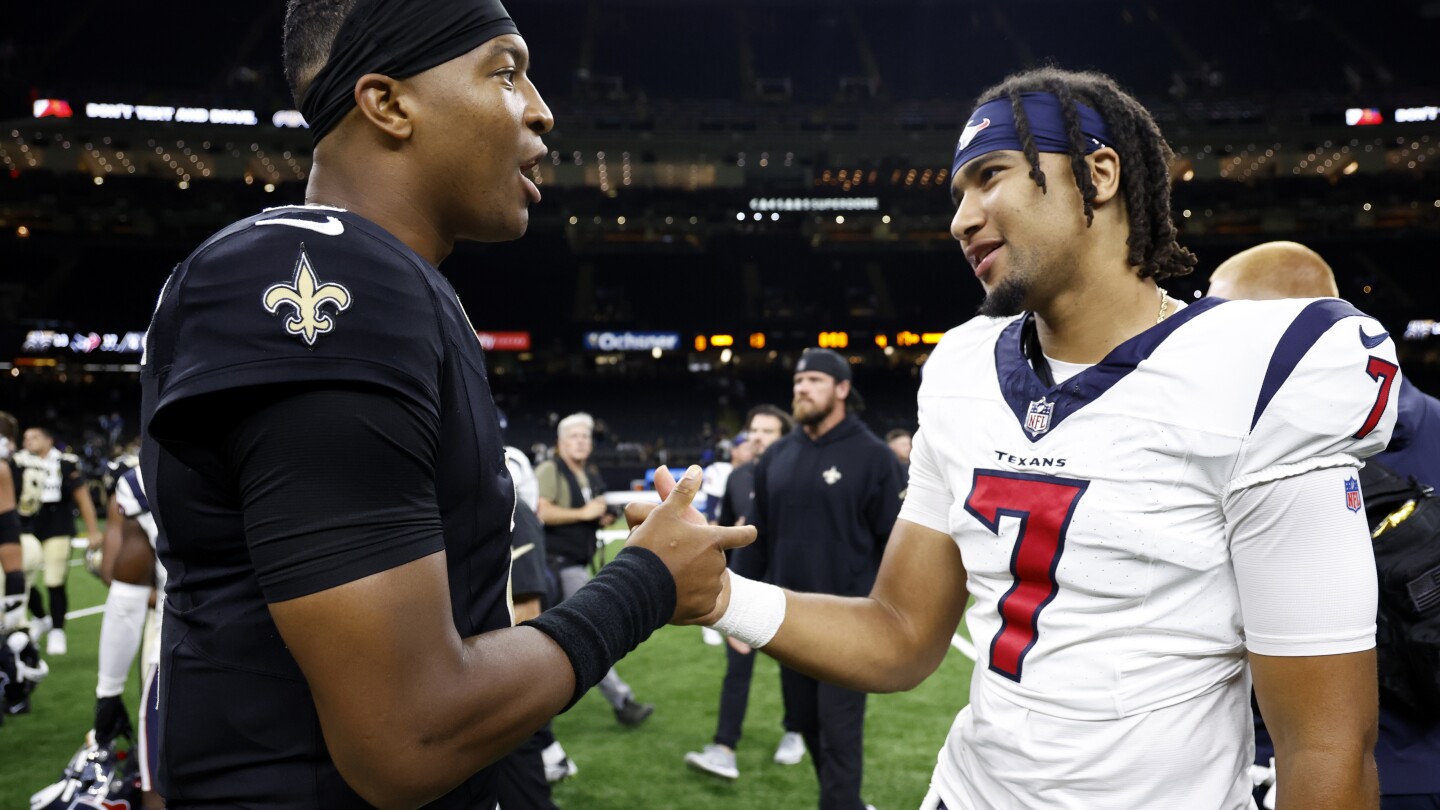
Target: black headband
[[396, 38]]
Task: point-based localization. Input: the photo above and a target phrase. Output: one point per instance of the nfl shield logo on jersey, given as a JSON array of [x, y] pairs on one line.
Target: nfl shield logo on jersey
[[1352, 494], [1037, 419]]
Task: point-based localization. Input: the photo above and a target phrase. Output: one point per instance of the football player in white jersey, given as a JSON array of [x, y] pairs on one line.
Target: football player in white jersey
[[1142, 498], [130, 626]]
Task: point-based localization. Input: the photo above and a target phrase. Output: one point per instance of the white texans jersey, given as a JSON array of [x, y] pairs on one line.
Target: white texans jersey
[[130, 495], [1103, 527]]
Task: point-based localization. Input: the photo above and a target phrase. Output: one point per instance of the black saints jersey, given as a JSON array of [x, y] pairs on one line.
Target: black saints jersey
[[300, 296], [44, 492]]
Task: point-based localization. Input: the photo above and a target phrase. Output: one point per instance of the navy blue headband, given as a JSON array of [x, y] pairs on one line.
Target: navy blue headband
[[399, 39], [991, 128]]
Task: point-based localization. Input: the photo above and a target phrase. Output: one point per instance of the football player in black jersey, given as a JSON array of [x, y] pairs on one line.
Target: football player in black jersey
[[48, 482], [322, 453]]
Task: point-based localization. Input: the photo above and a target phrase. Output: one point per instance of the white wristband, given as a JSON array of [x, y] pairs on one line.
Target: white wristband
[[755, 612]]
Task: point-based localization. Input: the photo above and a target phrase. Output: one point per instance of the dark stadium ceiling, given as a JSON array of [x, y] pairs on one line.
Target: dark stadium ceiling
[[1192, 47]]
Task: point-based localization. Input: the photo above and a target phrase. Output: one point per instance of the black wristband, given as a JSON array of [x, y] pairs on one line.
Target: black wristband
[[10, 527], [628, 600]]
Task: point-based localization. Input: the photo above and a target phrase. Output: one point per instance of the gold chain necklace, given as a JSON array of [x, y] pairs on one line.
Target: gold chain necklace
[[1164, 305]]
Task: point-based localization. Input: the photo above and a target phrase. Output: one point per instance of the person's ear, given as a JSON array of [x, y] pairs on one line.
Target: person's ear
[[1104, 173], [385, 104]]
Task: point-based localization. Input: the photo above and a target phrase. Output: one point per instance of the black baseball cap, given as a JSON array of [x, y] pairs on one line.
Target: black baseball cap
[[828, 361]]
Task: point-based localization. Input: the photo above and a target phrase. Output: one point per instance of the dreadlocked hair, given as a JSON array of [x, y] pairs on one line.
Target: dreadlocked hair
[[1144, 158], [311, 27]]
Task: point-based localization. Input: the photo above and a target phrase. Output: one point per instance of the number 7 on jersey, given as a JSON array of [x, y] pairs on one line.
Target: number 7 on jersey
[[1044, 505]]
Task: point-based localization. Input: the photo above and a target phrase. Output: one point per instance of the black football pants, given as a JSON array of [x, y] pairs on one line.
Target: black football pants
[[832, 720]]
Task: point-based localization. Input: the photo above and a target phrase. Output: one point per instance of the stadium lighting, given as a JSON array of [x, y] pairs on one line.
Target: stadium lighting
[[725, 356]]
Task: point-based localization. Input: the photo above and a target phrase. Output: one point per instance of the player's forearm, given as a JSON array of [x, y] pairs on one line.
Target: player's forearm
[[1327, 779], [87, 511], [859, 643], [552, 515], [457, 713]]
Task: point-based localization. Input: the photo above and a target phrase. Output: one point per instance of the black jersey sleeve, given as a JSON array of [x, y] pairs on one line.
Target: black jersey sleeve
[[295, 296], [335, 484], [71, 479]]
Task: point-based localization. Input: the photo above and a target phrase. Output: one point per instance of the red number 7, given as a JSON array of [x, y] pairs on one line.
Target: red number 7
[[1044, 504], [1384, 371]]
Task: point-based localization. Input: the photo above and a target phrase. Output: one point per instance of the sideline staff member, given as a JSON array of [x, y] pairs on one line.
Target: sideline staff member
[[323, 455], [826, 497]]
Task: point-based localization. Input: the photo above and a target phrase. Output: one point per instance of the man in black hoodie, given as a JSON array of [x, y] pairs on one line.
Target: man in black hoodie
[[826, 497]]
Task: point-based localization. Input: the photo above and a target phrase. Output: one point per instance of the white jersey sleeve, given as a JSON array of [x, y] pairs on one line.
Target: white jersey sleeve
[[1294, 513], [1304, 566], [927, 496], [130, 495], [1328, 398]]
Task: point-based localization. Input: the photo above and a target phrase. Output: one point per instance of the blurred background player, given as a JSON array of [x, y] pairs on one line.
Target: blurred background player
[[1407, 750], [717, 473], [765, 424], [899, 442], [11, 554], [523, 779], [716, 486], [573, 509], [532, 595], [48, 482], [130, 625]]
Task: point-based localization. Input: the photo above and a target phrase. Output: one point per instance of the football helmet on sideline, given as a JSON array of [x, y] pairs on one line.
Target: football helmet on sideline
[[103, 778]]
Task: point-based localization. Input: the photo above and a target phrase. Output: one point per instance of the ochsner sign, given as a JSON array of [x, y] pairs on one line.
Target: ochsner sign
[[632, 341]]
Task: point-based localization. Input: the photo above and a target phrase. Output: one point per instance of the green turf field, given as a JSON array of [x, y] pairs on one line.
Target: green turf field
[[34, 747], [620, 768]]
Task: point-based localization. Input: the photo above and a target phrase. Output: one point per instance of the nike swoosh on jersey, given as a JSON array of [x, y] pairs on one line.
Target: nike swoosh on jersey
[[1372, 342], [330, 227]]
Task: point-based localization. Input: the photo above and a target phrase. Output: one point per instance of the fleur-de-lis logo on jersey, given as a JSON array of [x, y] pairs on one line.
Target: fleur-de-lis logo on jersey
[[307, 295], [831, 476]]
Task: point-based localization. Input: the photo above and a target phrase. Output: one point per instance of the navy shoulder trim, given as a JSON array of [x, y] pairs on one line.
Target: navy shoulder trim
[[1312, 322]]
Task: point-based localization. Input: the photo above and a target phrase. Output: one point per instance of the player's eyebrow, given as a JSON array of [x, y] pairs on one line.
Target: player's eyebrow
[[515, 52], [969, 172]]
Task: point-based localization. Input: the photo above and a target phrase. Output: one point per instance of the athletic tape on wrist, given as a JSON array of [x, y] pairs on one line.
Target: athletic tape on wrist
[[755, 612], [631, 597]]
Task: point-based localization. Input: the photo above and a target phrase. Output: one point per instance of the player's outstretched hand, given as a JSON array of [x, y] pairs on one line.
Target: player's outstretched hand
[[693, 550]]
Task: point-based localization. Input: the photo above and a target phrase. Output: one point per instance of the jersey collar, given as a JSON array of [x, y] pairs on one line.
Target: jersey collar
[[1023, 389]]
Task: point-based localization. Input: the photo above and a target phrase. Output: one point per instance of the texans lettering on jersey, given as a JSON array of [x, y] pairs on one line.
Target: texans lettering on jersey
[[1092, 521]]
